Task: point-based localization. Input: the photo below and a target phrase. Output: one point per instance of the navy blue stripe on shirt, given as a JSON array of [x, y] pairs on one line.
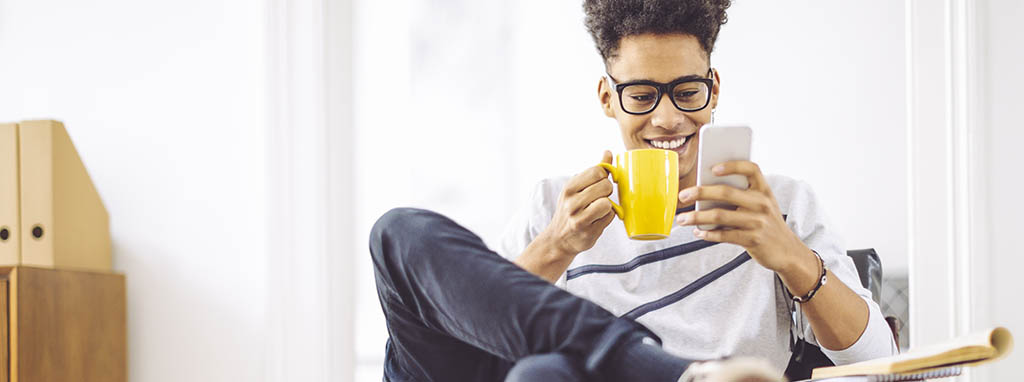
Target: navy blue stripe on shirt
[[647, 258], [688, 289]]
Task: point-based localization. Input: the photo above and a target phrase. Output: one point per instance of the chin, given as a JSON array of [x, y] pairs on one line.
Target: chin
[[686, 166], [686, 170]]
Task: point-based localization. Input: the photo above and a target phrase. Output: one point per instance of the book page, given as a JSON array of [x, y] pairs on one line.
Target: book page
[[972, 349]]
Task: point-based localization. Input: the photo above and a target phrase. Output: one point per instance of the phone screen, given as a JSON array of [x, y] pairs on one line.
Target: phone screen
[[720, 144]]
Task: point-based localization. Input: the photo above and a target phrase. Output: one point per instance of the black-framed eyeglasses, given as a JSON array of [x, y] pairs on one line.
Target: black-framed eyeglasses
[[642, 97]]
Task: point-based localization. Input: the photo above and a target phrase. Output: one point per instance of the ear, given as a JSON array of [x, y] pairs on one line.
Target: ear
[[716, 88], [604, 96]]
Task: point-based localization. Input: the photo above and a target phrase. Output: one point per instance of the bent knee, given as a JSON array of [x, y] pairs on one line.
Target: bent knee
[[545, 367], [400, 218], [403, 221], [410, 225]]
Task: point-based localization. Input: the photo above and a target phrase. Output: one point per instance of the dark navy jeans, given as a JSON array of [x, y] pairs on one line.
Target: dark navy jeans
[[457, 311]]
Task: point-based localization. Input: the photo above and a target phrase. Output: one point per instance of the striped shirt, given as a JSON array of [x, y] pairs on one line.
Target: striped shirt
[[742, 310]]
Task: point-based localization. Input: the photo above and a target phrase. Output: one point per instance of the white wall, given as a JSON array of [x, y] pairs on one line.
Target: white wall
[[821, 83], [165, 102], [1002, 55]]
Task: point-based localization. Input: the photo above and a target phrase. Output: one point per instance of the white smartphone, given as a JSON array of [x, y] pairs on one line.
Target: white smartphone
[[720, 144]]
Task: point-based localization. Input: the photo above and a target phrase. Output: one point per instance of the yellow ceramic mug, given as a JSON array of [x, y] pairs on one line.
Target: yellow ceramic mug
[[648, 181]]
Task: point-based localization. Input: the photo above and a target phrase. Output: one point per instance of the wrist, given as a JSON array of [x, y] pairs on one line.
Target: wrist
[[802, 273], [544, 258], [552, 248]]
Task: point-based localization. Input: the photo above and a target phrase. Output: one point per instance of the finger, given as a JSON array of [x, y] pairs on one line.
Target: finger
[[607, 158], [596, 211], [743, 167], [604, 221], [747, 199], [732, 236], [722, 217], [599, 190], [584, 179]]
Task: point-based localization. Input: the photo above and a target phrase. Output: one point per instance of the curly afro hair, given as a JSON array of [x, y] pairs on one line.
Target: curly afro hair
[[608, 21]]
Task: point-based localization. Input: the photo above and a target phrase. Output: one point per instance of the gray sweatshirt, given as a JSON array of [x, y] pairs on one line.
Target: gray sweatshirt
[[744, 312]]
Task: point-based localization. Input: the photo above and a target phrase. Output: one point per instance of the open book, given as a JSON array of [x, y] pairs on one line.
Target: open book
[[972, 349]]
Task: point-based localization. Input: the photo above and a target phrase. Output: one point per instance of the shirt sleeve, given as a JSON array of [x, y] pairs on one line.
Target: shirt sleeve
[[530, 220], [807, 218], [517, 235], [521, 229]]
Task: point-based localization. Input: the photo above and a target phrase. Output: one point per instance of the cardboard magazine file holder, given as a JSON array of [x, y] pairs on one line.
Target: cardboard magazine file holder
[[50, 212]]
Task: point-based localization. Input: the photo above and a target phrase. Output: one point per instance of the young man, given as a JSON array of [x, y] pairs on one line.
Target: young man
[[457, 311]]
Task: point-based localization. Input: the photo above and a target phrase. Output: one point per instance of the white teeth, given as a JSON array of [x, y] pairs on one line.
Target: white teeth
[[669, 145]]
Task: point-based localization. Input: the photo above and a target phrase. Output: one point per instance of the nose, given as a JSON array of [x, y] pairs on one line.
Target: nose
[[666, 116]]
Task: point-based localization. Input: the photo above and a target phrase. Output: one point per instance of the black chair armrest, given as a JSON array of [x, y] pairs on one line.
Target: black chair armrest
[[869, 268]]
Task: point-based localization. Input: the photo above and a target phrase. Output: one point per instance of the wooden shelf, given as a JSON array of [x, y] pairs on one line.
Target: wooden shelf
[[61, 325]]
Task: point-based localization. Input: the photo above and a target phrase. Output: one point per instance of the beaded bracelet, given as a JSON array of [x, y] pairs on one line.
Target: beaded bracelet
[[821, 281]]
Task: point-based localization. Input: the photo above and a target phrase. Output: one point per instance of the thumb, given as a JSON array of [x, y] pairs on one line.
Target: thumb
[[607, 158]]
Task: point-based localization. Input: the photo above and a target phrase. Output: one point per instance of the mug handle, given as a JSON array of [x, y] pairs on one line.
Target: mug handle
[[615, 177]]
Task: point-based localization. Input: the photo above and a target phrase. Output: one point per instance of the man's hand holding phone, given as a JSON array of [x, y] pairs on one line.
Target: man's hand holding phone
[[734, 203], [756, 224]]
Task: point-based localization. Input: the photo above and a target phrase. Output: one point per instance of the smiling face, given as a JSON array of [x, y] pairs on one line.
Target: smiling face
[[661, 58]]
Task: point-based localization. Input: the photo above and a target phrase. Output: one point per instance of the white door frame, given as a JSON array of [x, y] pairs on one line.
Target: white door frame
[[946, 137], [311, 286]]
